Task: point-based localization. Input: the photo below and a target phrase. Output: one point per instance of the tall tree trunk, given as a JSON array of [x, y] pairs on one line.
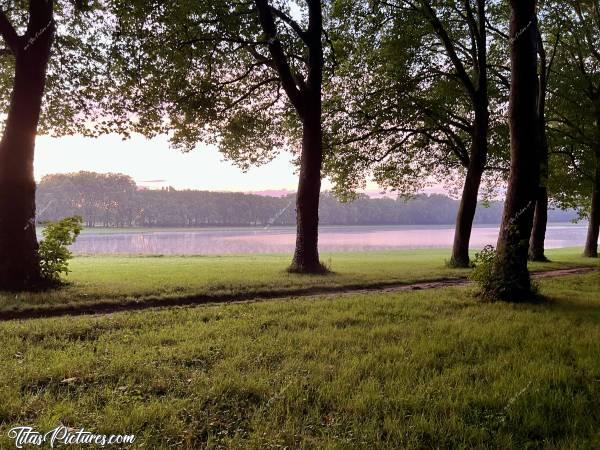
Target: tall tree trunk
[[19, 261], [306, 255], [510, 276], [478, 92], [540, 222], [591, 243], [306, 98], [540, 218], [468, 201]]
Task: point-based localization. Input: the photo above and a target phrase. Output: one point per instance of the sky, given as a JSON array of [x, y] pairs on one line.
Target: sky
[[154, 164]]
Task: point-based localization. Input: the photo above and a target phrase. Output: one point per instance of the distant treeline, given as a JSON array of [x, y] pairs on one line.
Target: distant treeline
[[114, 200]]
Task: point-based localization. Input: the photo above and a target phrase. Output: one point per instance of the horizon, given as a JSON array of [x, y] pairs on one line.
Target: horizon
[[204, 168]]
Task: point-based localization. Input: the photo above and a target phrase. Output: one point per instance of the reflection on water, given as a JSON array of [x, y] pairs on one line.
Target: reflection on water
[[278, 240]]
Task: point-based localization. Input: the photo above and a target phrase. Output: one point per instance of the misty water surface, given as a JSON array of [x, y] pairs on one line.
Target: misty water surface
[[281, 239]]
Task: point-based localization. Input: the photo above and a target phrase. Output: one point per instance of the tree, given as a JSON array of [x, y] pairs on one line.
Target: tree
[[577, 109], [246, 76], [552, 30], [305, 96], [38, 95], [477, 88], [19, 260], [428, 101], [114, 200], [511, 279], [572, 112]]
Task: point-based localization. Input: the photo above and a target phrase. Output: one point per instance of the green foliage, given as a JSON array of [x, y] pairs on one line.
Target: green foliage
[[53, 251], [483, 266], [573, 110], [73, 99], [216, 82], [402, 116]]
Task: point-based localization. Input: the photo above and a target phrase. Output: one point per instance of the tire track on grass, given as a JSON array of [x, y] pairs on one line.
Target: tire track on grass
[[111, 306]]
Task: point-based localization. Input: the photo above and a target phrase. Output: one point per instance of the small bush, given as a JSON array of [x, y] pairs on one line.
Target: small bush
[[54, 248], [483, 266]]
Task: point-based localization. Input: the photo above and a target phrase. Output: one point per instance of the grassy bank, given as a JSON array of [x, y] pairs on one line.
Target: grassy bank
[[112, 280], [431, 369]]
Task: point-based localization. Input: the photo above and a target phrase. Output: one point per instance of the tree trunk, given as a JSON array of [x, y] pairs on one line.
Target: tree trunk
[[479, 147], [540, 218], [538, 233], [306, 255], [510, 276], [591, 243], [305, 96], [19, 261], [468, 201], [464, 219]]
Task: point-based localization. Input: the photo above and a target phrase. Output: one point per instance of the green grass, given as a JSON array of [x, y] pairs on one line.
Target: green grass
[[116, 279], [428, 369]]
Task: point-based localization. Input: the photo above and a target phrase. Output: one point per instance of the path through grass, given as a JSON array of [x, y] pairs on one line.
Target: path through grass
[[113, 280], [432, 369]]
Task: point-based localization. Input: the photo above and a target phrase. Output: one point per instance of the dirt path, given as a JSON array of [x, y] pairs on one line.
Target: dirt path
[[464, 281], [137, 305]]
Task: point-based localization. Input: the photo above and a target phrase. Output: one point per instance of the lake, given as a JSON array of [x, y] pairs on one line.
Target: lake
[[221, 241]]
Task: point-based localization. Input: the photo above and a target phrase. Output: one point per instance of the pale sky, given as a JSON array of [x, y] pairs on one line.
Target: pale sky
[[147, 160], [154, 164]]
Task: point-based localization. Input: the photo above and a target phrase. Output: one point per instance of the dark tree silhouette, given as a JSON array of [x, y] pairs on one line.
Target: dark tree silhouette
[[19, 261], [540, 218], [306, 99], [114, 200], [511, 280]]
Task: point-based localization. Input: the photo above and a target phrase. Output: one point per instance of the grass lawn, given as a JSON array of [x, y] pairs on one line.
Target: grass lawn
[[101, 280], [427, 369]]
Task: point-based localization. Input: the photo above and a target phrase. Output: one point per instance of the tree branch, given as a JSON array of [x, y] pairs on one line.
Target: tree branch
[[291, 22], [496, 30], [8, 33], [474, 33], [280, 61], [450, 49], [249, 92], [330, 44], [553, 56], [574, 163]]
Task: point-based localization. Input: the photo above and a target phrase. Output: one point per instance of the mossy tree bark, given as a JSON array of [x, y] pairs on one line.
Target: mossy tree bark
[[510, 276]]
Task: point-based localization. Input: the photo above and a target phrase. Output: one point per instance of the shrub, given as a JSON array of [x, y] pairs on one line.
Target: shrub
[[54, 248], [483, 266]]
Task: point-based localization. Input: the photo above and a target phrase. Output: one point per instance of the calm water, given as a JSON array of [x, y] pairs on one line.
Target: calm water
[[278, 240]]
